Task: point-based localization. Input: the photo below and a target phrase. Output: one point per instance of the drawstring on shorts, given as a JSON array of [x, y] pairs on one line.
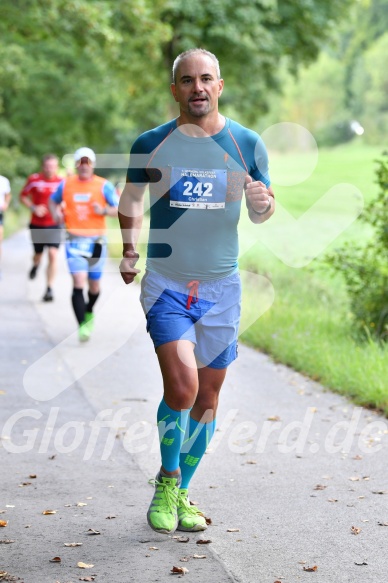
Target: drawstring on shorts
[[193, 293]]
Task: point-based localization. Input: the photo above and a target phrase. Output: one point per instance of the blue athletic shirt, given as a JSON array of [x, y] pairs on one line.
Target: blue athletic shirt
[[196, 187]]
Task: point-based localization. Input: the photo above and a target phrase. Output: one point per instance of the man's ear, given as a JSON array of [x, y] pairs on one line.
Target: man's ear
[[220, 87], [173, 91]]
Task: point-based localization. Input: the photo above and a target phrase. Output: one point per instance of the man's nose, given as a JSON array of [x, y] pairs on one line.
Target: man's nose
[[198, 85]]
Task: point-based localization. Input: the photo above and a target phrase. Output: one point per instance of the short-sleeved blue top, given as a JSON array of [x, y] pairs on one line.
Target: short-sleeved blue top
[[196, 186]]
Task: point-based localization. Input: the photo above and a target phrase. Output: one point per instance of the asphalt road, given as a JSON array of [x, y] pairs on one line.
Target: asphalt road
[[296, 477]]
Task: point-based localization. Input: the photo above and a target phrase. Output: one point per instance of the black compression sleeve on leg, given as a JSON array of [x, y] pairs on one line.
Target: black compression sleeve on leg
[[78, 301], [92, 300]]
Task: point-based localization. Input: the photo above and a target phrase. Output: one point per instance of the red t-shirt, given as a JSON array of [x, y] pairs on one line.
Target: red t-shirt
[[38, 189]]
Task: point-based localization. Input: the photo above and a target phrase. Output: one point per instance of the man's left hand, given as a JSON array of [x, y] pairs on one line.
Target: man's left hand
[[257, 194]]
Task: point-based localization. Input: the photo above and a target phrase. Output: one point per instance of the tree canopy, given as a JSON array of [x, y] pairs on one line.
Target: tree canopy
[[96, 72]]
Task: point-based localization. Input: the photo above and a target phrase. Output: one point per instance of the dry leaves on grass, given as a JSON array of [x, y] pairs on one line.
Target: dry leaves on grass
[[179, 570], [3, 523], [45, 512], [203, 541], [82, 565], [311, 569], [355, 530]]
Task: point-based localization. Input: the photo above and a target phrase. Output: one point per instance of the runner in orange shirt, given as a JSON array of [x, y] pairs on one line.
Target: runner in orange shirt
[[86, 200]]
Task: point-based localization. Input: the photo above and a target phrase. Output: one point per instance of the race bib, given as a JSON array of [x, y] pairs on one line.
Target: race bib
[[198, 189]]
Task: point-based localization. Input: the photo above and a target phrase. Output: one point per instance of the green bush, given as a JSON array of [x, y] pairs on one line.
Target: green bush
[[365, 269]]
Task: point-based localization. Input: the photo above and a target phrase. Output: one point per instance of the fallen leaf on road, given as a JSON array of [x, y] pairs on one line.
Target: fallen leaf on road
[[232, 530], [3, 574], [52, 457], [199, 556], [25, 484], [32, 476], [320, 487], [49, 512], [91, 578], [208, 520], [92, 531], [203, 541], [72, 545], [332, 500], [179, 570], [357, 457], [252, 462], [153, 548], [3, 523], [182, 539], [274, 418], [379, 523], [56, 560], [82, 565], [6, 541], [379, 491], [184, 559], [354, 479], [360, 564], [3, 511], [355, 530], [80, 504], [110, 517], [310, 569]]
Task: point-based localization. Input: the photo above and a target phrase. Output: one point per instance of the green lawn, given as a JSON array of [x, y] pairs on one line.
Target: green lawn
[[308, 325]]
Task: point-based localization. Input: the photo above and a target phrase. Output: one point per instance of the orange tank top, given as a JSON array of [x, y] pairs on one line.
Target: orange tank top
[[79, 196]]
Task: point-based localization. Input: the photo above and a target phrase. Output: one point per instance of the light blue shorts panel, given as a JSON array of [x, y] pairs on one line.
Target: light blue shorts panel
[[211, 322], [79, 251]]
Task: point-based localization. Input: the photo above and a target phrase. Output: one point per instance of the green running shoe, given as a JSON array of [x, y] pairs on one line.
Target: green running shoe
[[162, 514], [83, 332], [190, 518], [89, 321]]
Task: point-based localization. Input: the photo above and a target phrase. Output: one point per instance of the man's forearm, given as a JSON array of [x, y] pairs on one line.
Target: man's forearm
[[131, 209]]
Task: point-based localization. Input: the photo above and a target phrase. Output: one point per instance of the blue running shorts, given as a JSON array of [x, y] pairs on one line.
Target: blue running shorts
[[82, 257], [209, 318]]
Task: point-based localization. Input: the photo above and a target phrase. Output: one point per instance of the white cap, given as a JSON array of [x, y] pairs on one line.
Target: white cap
[[84, 153]]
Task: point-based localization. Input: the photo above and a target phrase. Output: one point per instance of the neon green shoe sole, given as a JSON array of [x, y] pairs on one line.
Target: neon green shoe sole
[[162, 514], [190, 518]]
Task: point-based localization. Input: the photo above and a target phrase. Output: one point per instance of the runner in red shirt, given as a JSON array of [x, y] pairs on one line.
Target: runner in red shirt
[[45, 232]]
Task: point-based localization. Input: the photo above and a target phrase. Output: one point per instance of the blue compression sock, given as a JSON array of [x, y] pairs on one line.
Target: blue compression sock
[[197, 438], [171, 427]]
